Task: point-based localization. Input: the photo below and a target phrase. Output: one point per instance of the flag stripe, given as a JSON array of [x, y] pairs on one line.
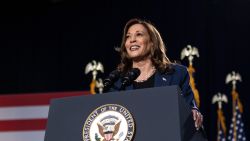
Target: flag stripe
[[23, 117], [35, 99], [22, 136], [24, 112], [21, 125]]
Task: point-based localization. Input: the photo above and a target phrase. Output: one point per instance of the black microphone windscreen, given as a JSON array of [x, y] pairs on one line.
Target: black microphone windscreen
[[130, 76], [134, 73], [111, 79], [114, 75]]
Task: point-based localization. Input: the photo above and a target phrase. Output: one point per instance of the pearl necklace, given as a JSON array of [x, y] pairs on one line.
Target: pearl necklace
[[148, 76]]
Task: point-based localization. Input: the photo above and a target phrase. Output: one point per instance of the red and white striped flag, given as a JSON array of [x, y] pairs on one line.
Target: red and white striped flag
[[23, 117]]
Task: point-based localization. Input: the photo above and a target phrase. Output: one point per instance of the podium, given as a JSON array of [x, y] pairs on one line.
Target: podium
[[159, 114]]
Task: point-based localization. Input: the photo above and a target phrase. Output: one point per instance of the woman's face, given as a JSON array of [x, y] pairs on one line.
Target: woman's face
[[138, 42]]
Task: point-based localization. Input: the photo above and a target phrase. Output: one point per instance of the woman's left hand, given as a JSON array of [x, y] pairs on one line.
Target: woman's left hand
[[198, 118]]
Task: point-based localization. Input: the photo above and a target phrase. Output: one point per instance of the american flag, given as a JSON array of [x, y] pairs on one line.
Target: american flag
[[23, 117], [236, 131], [221, 135], [221, 127]]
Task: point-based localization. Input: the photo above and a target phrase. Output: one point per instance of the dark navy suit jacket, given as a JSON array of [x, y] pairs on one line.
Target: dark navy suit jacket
[[179, 76]]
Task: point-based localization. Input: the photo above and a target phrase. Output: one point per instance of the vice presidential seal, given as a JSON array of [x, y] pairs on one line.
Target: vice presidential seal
[[110, 122]]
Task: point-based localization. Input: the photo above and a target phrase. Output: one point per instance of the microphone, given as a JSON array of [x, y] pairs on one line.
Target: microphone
[[110, 80], [129, 77]]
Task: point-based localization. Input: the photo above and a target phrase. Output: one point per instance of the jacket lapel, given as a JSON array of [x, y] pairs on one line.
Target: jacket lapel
[[161, 79]]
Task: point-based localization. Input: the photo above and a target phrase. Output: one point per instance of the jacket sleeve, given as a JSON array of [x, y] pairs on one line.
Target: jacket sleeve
[[186, 89]]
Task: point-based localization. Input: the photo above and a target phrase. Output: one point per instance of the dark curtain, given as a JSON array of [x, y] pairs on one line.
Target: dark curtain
[[45, 45]]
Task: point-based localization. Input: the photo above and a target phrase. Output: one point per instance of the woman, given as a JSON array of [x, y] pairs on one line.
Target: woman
[[142, 47]]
